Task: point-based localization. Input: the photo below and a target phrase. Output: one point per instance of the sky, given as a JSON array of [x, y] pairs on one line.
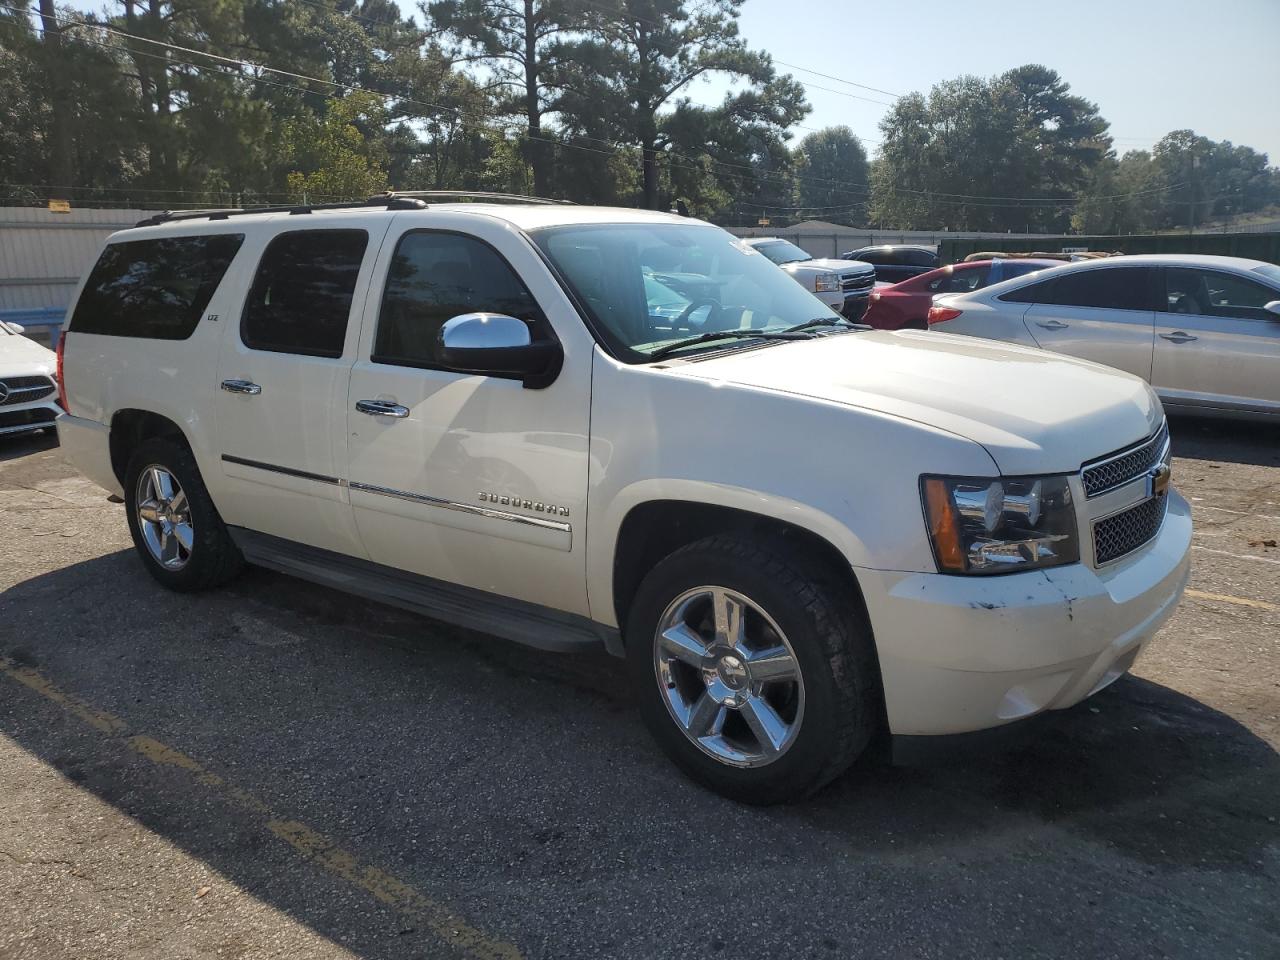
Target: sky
[[1151, 65]]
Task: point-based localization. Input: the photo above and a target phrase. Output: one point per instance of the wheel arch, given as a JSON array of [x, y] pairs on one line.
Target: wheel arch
[[130, 427], [653, 529]]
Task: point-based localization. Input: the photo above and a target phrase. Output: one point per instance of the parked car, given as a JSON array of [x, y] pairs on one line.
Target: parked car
[[845, 286], [897, 262], [27, 388], [798, 532], [1204, 331], [907, 304]]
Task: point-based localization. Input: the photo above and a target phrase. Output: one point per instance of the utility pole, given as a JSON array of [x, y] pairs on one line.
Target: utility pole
[[61, 168]]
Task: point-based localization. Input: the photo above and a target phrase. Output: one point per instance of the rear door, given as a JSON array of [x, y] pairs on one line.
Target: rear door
[[283, 372], [1105, 314], [1215, 344]]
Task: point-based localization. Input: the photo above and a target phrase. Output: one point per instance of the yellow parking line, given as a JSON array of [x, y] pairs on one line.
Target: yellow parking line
[[1224, 598], [308, 843]]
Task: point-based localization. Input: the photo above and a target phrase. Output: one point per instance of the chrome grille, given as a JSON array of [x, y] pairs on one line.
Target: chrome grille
[[1126, 531], [24, 389], [857, 282], [1120, 468]]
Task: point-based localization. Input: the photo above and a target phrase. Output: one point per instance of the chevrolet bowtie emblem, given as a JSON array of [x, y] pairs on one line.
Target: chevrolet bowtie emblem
[[1158, 480]]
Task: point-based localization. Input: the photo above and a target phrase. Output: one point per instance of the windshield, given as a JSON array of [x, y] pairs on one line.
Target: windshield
[[781, 251], [645, 286]]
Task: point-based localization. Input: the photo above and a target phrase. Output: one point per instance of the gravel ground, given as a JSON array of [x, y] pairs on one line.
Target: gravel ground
[[275, 770]]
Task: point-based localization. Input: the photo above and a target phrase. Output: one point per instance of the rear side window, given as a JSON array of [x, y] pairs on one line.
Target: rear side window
[[1112, 288], [1041, 292], [435, 277], [156, 289], [919, 258], [961, 281], [301, 296]]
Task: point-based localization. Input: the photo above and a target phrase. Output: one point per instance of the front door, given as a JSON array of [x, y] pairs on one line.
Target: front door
[[470, 479], [282, 386], [1105, 314], [1215, 344]]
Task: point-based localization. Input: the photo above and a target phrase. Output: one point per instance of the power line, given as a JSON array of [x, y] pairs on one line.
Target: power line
[[827, 76]]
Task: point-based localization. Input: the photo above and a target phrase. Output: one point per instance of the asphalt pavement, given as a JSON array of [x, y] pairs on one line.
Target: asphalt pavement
[[277, 770]]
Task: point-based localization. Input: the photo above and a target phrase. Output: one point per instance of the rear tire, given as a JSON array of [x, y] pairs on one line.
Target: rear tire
[[175, 527], [786, 709]]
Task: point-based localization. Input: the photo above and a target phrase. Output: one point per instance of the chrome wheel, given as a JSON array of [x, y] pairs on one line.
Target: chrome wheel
[[164, 517], [729, 677]]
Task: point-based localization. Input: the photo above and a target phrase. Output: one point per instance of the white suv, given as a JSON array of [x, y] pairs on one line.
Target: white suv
[[799, 533]]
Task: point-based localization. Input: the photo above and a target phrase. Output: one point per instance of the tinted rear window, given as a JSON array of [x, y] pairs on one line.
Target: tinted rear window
[[301, 297], [1041, 292], [1111, 288], [154, 288]]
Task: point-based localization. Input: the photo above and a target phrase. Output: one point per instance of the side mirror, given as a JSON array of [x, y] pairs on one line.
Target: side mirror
[[501, 346], [17, 328], [1273, 308]]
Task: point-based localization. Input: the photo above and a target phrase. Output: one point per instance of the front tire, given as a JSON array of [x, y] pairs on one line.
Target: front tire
[[754, 669], [175, 527]]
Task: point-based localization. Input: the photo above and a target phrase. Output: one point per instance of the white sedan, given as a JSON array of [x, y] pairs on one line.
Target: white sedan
[[27, 386], [1204, 331]]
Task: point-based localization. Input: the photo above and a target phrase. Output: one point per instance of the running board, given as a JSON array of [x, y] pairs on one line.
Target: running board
[[527, 623]]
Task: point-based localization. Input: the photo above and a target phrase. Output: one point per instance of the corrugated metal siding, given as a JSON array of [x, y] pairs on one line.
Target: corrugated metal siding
[[43, 254]]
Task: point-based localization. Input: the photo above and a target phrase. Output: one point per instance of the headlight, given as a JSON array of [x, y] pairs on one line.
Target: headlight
[[826, 283], [983, 526]]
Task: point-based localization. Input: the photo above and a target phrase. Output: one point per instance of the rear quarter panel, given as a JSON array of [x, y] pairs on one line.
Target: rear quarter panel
[[172, 378]]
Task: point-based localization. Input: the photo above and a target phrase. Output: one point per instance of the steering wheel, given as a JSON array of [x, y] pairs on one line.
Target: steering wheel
[[683, 322]]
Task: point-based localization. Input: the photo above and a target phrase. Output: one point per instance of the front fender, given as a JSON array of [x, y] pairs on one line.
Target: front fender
[[606, 526]]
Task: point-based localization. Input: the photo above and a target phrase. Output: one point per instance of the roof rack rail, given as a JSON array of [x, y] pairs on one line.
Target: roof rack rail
[[392, 200], [478, 195]]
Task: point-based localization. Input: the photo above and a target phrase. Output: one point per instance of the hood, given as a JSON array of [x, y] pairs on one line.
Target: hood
[[829, 265], [21, 356], [1034, 411]]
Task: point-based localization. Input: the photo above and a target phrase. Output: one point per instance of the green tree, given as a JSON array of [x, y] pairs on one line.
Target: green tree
[[638, 62], [832, 172], [519, 41], [331, 157], [1009, 153]]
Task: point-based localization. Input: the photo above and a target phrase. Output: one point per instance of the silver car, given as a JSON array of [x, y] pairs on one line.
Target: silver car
[[1204, 331]]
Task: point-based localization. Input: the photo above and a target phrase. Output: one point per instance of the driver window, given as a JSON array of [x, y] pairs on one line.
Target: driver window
[[433, 278], [1213, 294]]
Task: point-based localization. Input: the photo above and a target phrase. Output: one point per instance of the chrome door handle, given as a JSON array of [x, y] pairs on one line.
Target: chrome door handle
[[246, 387], [382, 408], [1052, 324], [1179, 337]]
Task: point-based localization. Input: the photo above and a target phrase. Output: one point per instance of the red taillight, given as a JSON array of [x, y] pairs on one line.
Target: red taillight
[[60, 376], [942, 314]]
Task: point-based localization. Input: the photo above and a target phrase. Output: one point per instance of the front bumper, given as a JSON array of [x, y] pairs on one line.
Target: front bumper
[[86, 445], [855, 305], [959, 654], [27, 417]]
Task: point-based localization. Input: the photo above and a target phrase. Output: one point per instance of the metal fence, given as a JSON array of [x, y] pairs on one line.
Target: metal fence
[[42, 257], [836, 243], [1253, 246]]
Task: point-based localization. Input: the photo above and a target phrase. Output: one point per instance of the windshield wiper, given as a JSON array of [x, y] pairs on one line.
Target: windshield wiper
[[820, 322], [729, 335]]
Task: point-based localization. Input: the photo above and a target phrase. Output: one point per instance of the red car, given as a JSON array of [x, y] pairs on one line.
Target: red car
[[906, 304]]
